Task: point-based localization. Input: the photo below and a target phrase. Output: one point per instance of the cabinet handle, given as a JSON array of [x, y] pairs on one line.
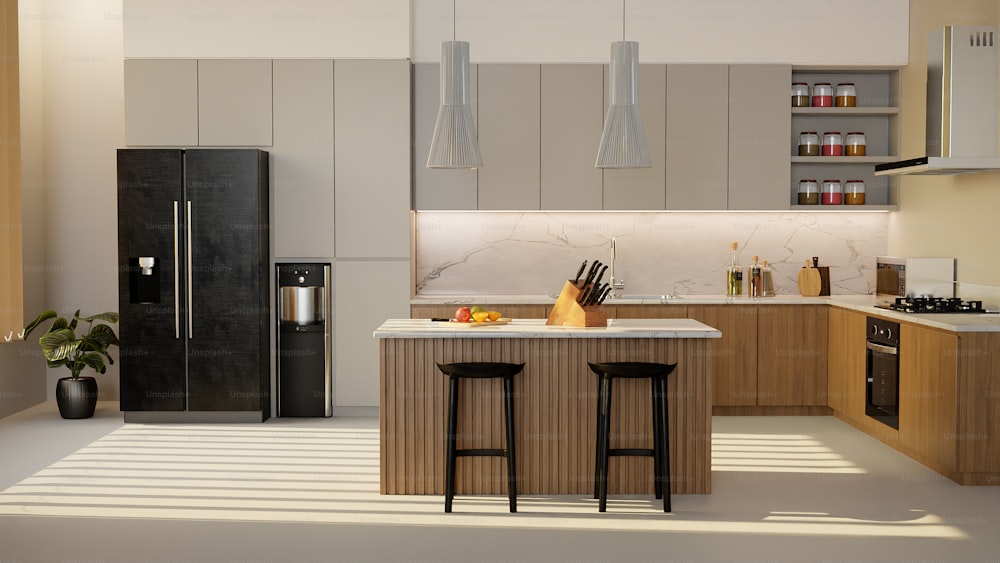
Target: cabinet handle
[[177, 279], [190, 303]]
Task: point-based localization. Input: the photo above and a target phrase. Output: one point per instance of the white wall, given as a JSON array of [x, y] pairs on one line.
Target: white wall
[[267, 29], [852, 32]]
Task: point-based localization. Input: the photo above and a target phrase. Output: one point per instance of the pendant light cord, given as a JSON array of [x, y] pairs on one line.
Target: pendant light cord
[[454, 18]]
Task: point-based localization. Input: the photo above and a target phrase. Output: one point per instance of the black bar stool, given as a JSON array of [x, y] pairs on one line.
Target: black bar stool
[[480, 370], [657, 374]]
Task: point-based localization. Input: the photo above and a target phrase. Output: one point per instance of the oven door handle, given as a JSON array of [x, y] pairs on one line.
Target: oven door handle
[[882, 348]]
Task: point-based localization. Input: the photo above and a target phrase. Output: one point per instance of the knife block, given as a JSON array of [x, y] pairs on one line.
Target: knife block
[[567, 312]]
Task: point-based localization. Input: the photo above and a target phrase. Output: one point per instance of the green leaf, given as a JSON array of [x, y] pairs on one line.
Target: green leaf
[[108, 316], [76, 319], [58, 345], [93, 360], [46, 315]]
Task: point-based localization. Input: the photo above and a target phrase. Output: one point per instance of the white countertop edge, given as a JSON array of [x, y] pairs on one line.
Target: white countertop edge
[[958, 322], [536, 328]]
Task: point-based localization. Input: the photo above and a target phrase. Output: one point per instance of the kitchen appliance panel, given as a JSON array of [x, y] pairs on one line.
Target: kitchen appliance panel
[[152, 350], [882, 371], [207, 332], [228, 314], [913, 277]]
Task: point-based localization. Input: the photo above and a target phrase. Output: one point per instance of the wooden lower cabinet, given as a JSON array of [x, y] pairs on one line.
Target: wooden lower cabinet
[[846, 362], [734, 356], [791, 355], [928, 368]]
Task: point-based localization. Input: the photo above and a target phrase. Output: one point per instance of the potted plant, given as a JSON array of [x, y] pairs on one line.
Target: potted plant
[[76, 395]]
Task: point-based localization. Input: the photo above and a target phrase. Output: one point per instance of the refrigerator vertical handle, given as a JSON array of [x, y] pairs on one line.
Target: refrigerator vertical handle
[[190, 305], [177, 278]]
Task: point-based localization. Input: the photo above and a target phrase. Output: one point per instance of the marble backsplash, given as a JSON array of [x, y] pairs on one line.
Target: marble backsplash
[[680, 253]]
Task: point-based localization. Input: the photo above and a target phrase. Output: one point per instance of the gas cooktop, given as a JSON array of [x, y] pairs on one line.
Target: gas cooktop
[[935, 305]]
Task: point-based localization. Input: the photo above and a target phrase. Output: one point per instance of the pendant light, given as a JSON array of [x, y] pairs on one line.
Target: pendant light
[[455, 143], [623, 141]]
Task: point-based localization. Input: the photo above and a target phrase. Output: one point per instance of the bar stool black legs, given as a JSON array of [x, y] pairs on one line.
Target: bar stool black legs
[[657, 374], [480, 370]]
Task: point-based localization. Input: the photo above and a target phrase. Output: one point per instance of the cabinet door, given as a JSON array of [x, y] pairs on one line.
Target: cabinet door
[[436, 188], [228, 357], [642, 188], [928, 376], [161, 102], [365, 295], [303, 170], [734, 356], [846, 362], [509, 121], [572, 119], [150, 327], [697, 146], [759, 120], [372, 139], [234, 103], [791, 355]]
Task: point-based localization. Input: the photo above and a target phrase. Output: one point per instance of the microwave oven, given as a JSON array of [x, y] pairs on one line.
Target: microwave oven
[[913, 277]]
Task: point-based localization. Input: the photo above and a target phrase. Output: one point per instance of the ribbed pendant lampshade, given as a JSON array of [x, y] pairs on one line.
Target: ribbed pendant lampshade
[[454, 144], [623, 142]]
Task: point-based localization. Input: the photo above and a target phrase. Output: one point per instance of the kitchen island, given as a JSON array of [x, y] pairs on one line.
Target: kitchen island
[[554, 406]]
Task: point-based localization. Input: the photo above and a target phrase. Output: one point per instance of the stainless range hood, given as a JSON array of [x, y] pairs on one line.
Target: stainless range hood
[[961, 105]]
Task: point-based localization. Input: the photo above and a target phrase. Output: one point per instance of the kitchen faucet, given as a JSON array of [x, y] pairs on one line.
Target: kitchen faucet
[[617, 284]]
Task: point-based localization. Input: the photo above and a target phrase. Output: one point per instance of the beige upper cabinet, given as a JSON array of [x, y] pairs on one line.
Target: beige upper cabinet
[[643, 188], [161, 103], [509, 121], [759, 119], [572, 114], [234, 103], [302, 155], [697, 151], [435, 188], [372, 151]]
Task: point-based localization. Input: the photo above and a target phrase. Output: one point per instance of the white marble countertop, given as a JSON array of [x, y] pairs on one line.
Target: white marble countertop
[[956, 322], [536, 328], [500, 299]]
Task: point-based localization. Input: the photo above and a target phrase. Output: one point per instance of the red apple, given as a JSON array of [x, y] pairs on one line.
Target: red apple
[[463, 314]]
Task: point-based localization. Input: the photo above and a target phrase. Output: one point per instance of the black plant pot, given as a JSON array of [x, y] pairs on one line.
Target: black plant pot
[[76, 398]]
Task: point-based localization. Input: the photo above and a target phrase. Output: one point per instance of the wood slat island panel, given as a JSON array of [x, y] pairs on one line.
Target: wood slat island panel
[[554, 411]]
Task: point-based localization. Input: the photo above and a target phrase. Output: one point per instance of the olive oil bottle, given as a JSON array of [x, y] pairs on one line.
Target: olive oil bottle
[[756, 288], [734, 277]]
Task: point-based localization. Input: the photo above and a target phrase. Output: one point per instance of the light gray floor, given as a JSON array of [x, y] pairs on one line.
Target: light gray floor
[[784, 489]]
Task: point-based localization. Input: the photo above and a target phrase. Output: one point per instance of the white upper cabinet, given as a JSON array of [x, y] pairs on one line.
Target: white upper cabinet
[[509, 121], [161, 103], [234, 103], [572, 114], [759, 119]]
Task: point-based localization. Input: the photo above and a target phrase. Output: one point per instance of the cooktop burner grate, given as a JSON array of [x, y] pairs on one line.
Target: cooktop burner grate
[[936, 305]]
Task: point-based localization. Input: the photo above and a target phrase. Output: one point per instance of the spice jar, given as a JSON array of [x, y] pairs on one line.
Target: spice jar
[[833, 144], [822, 95], [854, 192], [854, 144], [808, 192], [831, 193], [808, 143], [846, 96], [800, 95]]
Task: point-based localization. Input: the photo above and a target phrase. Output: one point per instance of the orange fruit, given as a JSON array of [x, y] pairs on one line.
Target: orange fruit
[[493, 315]]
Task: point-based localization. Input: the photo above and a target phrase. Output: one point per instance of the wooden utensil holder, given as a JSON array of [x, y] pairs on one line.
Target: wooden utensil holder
[[567, 312]]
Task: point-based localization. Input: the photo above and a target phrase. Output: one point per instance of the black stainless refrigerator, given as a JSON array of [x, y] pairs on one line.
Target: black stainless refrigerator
[[194, 285]]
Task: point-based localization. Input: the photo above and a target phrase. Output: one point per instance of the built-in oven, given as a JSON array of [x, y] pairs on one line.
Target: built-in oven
[[882, 371]]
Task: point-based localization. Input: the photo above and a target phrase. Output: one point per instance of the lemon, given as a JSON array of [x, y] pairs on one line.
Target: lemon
[[480, 316]]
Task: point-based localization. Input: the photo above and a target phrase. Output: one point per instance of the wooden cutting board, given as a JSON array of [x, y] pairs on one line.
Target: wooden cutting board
[[810, 282]]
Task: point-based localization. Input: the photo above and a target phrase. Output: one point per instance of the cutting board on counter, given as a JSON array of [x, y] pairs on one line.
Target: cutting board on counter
[[814, 280]]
